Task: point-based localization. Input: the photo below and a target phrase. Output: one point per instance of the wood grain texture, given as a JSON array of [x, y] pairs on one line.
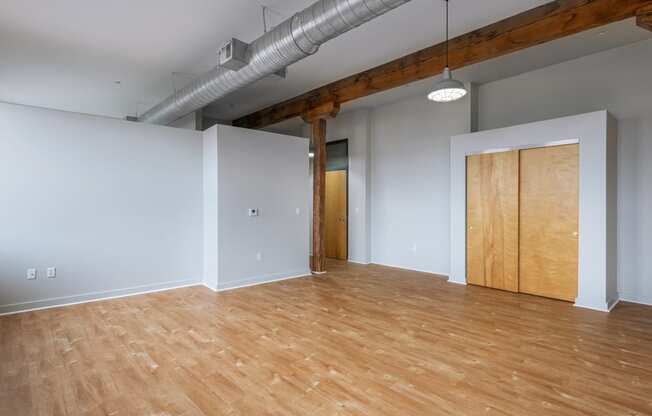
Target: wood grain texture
[[324, 111], [542, 24], [317, 118], [361, 340], [493, 220], [549, 221], [336, 215], [318, 259], [644, 18]]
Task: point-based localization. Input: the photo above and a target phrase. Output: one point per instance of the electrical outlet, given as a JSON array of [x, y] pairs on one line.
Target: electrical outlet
[[414, 248], [31, 274], [52, 272], [259, 256], [298, 211]]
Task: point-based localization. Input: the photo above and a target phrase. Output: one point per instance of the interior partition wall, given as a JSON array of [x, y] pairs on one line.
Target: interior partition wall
[[596, 135]]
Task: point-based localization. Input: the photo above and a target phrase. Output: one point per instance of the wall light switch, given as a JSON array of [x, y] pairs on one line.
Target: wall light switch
[[52, 272], [259, 256], [31, 274], [298, 211], [253, 212]]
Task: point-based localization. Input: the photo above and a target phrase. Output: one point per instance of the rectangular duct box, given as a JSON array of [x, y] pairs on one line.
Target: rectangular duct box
[[233, 55]]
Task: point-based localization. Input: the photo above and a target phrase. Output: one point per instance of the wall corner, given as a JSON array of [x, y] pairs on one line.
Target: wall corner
[[474, 106]]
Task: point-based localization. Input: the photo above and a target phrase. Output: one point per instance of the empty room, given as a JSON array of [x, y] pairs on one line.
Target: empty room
[[325, 207]]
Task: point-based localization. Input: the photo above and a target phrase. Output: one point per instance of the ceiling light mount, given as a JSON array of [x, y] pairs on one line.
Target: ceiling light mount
[[448, 89]]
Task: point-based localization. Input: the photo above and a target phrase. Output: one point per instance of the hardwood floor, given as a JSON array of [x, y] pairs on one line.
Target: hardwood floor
[[361, 340]]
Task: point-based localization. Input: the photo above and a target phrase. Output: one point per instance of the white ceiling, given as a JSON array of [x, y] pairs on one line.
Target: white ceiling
[[69, 54]]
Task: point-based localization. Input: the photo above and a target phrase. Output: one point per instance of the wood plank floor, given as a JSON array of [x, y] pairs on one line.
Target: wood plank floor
[[362, 340]]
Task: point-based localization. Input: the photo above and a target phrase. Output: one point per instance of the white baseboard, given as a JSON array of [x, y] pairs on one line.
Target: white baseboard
[[358, 262], [632, 299], [600, 307], [23, 307], [409, 269], [613, 304], [609, 307], [59, 302], [255, 281], [455, 282]]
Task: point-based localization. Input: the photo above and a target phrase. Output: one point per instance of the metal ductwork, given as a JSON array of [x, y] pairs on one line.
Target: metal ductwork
[[289, 42]]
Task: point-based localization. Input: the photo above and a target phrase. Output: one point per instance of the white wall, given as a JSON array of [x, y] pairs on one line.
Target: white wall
[[267, 171], [408, 158], [617, 80], [115, 206], [634, 208], [410, 178], [210, 185]]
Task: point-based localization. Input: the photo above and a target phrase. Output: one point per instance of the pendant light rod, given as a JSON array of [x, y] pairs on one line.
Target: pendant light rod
[[446, 33], [448, 89]]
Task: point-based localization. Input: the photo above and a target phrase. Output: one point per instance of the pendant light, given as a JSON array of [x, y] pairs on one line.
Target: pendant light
[[448, 89]]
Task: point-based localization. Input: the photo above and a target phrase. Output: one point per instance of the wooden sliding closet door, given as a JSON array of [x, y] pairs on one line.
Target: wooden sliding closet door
[[492, 220], [549, 221]]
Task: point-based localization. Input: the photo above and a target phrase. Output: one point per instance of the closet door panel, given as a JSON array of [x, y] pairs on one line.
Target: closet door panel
[[493, 220], [549, 198]]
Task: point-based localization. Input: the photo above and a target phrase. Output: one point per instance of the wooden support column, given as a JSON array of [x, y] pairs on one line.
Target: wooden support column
[[318, 195], [317, 119], [644, 18]]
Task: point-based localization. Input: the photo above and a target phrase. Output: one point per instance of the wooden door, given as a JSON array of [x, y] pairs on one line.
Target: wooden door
[[549, 221], [336, 215], [492, 220]]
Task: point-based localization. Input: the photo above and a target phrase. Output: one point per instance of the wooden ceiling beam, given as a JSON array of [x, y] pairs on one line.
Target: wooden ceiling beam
[[542, 24], [324, 111], [644, 18]]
